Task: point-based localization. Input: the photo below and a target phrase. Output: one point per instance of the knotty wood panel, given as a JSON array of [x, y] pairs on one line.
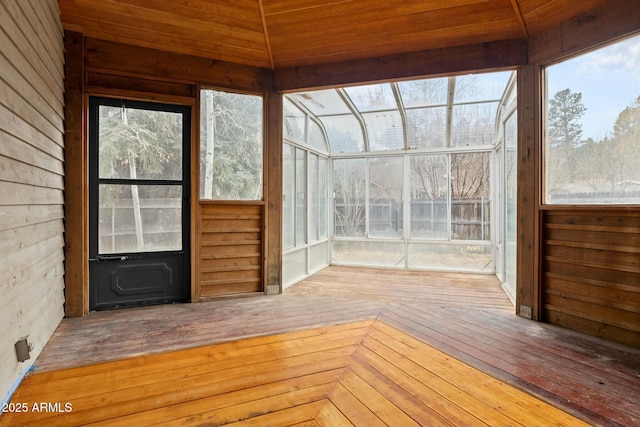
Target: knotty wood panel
[[592, 272], [284, 33], [229, 31], [103, 82], [146, 62], [363, 374], [304, 37], [76, 184], [528, 231], [230, 249], [273, 213], [473, 57], [610, 20], [32, 183], [541, 14]]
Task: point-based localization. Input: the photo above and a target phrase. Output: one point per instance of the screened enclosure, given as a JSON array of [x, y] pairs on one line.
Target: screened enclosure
[[415, 174]]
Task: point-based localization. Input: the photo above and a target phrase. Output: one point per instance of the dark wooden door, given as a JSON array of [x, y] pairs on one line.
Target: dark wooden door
[[139, 203]]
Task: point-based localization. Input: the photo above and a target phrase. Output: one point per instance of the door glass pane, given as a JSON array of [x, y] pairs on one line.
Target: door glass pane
[[385, 197], [139, 144], [470, 196], [429, 197], [139, 218]]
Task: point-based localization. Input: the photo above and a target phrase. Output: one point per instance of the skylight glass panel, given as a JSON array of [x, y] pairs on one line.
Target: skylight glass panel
[[421, 93], [345, 134], [481, 87], [427, 127], [473, 124], [384, 130], [294, 119], [316, 137], [372, 97], [323, 102]]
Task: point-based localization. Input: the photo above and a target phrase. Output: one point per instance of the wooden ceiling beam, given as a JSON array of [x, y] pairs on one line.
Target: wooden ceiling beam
[[518, 13], [265, 29], [477, 57]]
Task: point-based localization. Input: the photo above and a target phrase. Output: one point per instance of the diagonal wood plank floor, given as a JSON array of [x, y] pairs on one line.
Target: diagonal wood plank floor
[[385, 313], [357, 374]]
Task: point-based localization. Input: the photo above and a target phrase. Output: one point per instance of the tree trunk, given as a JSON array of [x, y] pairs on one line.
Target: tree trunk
[[137, 215], [210, 123]]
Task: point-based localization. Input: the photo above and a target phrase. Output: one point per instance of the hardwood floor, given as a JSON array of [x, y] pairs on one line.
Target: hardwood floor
[[357, 374], [416, 348]]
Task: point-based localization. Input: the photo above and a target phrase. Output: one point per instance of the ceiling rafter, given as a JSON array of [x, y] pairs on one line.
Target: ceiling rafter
[[516, 10], [266, 34]]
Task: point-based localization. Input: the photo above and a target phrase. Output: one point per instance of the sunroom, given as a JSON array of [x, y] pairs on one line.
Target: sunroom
[[417, 174]]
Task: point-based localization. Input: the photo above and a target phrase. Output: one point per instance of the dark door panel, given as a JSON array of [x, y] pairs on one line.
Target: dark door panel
[[125, 281], [139, 211]]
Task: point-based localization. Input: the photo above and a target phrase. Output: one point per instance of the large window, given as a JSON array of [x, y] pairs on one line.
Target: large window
[[414, 170], [231, 146], [430, 196], [592, 149], [305, 195]]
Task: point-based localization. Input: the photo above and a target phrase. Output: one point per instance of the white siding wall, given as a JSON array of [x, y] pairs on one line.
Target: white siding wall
[[31, 179]]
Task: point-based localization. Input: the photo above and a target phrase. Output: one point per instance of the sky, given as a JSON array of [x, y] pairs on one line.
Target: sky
[[609, 80]]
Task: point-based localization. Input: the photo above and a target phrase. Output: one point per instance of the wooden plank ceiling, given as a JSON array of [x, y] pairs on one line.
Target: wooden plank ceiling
[[286, 33]]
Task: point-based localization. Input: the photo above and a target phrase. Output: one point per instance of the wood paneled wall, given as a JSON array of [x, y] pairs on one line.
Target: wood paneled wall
[[229, 240], [231, 248], [578, 266], [31, 180], [591, 268]]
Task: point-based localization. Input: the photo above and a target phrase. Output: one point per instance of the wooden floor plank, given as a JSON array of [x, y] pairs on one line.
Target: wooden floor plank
[[422, 414], [356, 412], [147, 330], [546, 381], [521, 407], [148, 365], [200, 361], [147, 397], [590, 359], [45, 376], [446, 409], [444, 388], [377, 403], [285, 417], [168, 414], [330, 416], [249, 413]]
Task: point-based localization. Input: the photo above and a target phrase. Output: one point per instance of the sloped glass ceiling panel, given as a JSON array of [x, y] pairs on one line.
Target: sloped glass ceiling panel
[[345, 134], [385, 130], [316, 137], [427, 114], [427, 127], [481, 87], [323, 102], [294, 122], [373, 97], [473, 124], [422, 93]]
